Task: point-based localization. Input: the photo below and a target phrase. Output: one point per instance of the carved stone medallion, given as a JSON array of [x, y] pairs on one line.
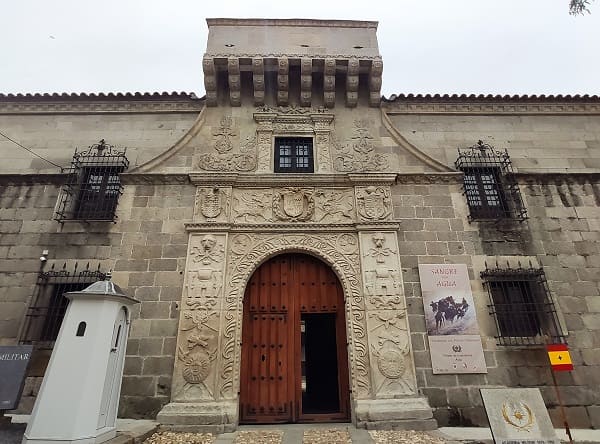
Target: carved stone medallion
[[211, 203], [374, 203], [293, 204]]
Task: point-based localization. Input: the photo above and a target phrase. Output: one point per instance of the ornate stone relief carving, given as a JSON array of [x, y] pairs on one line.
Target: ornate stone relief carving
[[391, 360], [196, 354], [374, 203], [359, 154], [212, 204], [334, 205], [294, 204], [392, 369], [252, 206], [247, 251], [205, 272], [225, 159]]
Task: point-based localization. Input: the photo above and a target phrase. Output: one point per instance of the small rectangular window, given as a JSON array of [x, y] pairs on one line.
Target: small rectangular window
[[489, 184], [48, 304], [93, 185], [521, 304], [294, 155]]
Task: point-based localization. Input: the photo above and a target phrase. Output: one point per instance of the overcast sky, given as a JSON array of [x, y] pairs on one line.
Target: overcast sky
[[428, 46]]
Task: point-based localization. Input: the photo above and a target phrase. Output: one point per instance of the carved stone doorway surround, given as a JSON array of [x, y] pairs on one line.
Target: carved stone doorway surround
[[364, 255]]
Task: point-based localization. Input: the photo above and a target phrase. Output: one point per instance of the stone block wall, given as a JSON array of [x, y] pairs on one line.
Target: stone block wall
[[145, 250], [561, 235]]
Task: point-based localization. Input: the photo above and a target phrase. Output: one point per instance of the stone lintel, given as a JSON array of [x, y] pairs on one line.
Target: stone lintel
[[210, 416]]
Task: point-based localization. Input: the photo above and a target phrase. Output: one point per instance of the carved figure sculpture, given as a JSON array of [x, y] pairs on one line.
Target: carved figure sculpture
[[379, 252]]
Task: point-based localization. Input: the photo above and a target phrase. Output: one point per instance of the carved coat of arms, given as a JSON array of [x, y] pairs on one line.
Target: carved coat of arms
[[374, 203], [211, 203], [293, 204]]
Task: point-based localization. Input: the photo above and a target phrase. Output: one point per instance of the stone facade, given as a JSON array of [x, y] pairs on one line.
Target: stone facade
[[202, 208]]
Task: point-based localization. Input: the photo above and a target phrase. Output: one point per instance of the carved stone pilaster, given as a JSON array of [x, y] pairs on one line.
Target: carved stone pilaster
[[210, 80], [200, 322], [264, 141], [329, 83], [283, 81], [305, 81], [322, 124], [258, 79], [233, 67], [392, 371], [375, 82], [392, 367], [352, 82]]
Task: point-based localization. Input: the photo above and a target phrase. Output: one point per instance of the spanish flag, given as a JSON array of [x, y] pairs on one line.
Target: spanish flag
[[560, 359]]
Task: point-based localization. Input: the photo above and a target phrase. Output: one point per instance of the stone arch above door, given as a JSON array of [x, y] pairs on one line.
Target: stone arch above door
[[247, 251]]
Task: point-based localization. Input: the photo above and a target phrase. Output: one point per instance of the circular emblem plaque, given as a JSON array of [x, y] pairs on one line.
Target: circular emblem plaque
[[197, 370], [391, 363]]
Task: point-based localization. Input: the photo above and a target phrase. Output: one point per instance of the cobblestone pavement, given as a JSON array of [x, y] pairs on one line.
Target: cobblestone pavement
[[404, 436], [180, 438], [262, 436], [320, 436], [308, 436]]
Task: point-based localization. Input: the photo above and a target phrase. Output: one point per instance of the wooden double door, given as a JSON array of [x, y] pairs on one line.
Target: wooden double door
[[294, 358]]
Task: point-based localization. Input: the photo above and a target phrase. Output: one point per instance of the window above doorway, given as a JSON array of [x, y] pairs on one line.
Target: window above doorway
[[489, 185], [294, 155], [93, 185]]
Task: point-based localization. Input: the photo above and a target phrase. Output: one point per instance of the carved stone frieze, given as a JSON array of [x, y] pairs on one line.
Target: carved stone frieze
[[334, 205], [374, 203], [359, 154], [212, 204], [294, 204], [248, 250]]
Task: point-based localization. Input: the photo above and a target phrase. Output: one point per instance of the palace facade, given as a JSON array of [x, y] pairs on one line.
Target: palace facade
[[273, 232]]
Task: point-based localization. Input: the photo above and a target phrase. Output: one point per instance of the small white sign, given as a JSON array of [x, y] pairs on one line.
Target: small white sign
[[457, 354]]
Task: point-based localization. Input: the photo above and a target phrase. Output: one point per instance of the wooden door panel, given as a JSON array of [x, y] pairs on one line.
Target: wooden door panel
[[276, 296]]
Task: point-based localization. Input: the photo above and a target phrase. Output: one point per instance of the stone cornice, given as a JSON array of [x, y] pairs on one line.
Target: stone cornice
[[33, 179], [301, 180], [99, 106], [476, 106], [291, 227], [154, 178], [430, 178], [292, 22]]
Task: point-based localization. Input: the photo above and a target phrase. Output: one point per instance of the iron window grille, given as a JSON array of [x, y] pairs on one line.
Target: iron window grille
[[489, 184], [93, 185], [48, 304], [522, 307], [294, 155]]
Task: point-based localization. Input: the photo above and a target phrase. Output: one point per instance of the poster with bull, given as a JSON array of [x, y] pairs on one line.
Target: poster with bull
[[450, 318]]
